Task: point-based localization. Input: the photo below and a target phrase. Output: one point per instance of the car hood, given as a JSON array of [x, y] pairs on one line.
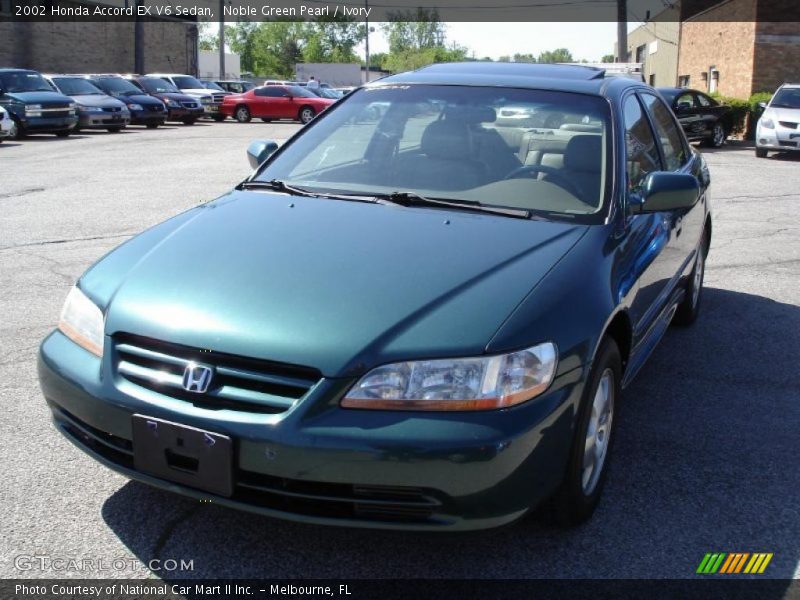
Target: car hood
[[175, 96], [38, 97], [198, 92], [143, 99], [339, 286], [98, 101], [782, 114]]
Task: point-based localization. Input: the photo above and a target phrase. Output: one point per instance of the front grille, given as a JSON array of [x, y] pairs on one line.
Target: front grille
[[54, 106], [190, 104], [218, 98], [788, 124], [396, 504], [238, 383], [155, 107], [111, 109], [790, 144]]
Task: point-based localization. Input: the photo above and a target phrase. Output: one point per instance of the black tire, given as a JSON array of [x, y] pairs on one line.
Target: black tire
[[189, 121], [306, 114], [218, 118], [63, 134], [576, 501], [114, 129], [761, 153], [152, 125], [266, 120], [20, 134], [718, 136], [242, 114], [689, 308]]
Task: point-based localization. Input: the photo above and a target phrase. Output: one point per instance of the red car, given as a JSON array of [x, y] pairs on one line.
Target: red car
[[274, 102]]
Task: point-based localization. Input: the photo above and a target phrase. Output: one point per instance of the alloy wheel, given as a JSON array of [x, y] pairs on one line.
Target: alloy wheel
[[598, 432]]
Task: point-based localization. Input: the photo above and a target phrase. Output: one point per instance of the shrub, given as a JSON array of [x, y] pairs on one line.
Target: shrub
[[744, 113]]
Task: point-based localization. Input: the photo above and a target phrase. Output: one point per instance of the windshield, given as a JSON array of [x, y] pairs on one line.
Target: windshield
[[116, 86], [185, 82], [212, 86], [155, 85], [296, 90], [76, 86], [786, 98], [24, 81], [450, 142]]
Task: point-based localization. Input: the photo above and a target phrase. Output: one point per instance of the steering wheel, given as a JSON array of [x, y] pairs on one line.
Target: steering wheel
[[559, 177]]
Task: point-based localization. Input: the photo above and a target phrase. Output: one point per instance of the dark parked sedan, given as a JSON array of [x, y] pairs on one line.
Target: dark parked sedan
[[417, 321], [702, 118], [180, 107], [144, 108], [96, 109]]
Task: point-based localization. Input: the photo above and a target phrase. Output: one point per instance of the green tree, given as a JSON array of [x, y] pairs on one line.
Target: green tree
[[414, 30], [608, 58], [559, 55], [208, 37], [524, 58]]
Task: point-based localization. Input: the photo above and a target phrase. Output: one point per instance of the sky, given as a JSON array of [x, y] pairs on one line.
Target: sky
[[589, 41]]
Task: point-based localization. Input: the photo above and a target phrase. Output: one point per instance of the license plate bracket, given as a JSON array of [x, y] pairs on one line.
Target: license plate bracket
[[183, 454]]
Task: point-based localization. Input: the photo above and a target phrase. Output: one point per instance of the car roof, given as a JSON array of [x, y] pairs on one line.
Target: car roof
[[790, 85], [569, 78]]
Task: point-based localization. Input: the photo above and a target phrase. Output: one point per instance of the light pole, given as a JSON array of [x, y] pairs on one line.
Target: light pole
[[366, 44], [222, 39]]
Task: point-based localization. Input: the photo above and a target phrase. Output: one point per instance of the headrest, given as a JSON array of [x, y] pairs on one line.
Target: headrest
[[471, 114], [583, 153], [446, 139]]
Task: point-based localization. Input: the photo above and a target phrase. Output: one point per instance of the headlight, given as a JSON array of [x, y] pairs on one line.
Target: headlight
[[481, 383], [768, 123], [82, 322], [205, 100], [84, 108], [135, 106], [172, 103]]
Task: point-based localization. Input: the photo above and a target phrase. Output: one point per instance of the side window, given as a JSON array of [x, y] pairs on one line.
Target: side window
[[276, 92], [684, 100], [261, 92], [641, 149], [667, 133], [703, 100]]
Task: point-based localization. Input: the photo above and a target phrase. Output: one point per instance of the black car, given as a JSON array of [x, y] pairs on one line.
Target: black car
[[34, 106], [180, 107], [702, 118], [145, 109]]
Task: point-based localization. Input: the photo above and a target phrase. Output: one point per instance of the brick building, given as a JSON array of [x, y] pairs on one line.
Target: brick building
[[75, 46], [654, 44], [731, 48]]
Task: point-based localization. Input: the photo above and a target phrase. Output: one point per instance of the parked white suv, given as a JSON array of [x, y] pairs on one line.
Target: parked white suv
[[779, 125], [191, 86], [7, 126]]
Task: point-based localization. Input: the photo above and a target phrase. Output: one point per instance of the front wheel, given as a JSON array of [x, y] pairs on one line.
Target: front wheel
[[189, 121], [152, 125], [718, 136], [243, 114], [580, 492], [761, 153], [306, 114], [689, 308], [63, 134], [114, 129], [218, 118]]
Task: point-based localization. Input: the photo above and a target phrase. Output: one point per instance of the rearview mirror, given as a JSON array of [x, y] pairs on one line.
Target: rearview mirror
[[259, 151], [663, 190]]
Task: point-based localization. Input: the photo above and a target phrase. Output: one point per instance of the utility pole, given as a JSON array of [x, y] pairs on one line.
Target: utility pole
[[138, 41], [366, 44], [622, 30], [222, 39]]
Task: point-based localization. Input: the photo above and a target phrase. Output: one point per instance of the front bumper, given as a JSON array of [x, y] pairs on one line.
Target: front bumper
[[781, 138], [47, 124], [319, 463], [179, 114], [148, 117], [102, 120]]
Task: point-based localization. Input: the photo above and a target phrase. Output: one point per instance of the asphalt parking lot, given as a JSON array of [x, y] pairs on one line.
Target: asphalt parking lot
[[706, 457]]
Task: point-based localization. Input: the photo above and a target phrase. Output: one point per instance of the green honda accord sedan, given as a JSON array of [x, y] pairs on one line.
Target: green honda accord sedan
[[420, 312]]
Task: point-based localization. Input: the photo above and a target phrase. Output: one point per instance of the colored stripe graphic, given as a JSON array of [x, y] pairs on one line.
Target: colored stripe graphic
[[734, 562]]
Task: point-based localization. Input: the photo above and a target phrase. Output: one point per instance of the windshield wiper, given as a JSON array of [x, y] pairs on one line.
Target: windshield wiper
[[281, 186], [414, 199]]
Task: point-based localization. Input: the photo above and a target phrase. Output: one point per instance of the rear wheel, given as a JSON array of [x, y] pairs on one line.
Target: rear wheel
[[114, 129], [152, 125], [761, 152], [580, 492], [306, 114], [266, 120], [243, 114], [218, 118], [63, 134], [189, 121]]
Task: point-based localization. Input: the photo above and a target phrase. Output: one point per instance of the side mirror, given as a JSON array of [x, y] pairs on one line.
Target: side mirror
[[762, 105], [259, 151], [664, 190]]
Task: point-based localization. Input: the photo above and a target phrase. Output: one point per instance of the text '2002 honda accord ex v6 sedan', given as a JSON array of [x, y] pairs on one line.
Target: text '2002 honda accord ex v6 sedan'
[[414, 314]]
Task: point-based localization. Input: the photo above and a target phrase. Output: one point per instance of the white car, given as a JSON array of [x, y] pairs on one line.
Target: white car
[[7, 126], [191, 86], [779, 125]]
